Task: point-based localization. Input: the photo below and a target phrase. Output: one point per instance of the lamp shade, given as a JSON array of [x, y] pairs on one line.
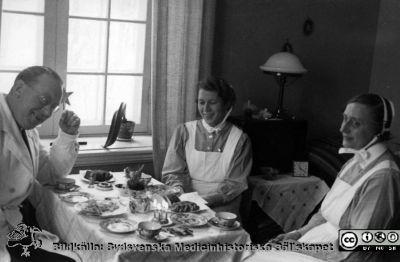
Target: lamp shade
[[283, 62]]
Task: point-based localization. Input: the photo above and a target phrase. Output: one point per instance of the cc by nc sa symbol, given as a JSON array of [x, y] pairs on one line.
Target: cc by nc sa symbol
[[349, 240]]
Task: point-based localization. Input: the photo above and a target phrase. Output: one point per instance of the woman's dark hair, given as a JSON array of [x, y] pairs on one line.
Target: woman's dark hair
[[222, 87], [377, 105]]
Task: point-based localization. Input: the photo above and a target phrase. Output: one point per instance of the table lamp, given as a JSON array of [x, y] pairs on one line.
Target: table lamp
[[282, 65]]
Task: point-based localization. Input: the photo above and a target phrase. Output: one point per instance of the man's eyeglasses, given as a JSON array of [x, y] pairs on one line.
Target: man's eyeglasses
[[44, 101]]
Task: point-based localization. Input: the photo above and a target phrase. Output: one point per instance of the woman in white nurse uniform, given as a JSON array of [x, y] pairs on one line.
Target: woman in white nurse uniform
[[365, 194], [210, 156]]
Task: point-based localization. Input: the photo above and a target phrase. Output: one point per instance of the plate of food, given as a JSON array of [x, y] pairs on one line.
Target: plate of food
[[184, 207], [98, 176], [75, 197], [119, 225], [180, 231], [105, 186], [189, 219], [100, 208]]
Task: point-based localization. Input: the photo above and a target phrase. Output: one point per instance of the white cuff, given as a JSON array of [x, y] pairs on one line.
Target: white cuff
[[66, 138]]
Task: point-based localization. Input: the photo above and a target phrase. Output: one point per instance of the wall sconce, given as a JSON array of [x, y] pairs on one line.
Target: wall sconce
[[283, 65]]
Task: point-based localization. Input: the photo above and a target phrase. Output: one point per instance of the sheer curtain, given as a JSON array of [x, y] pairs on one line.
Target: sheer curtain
[[182, 36]]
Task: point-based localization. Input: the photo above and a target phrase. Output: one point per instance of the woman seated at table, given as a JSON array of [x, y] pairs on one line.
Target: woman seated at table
[[365, 194], [210, 156]]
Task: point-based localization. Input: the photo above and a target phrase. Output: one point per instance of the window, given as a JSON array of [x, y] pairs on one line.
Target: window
[[101, 48], [21, 38]]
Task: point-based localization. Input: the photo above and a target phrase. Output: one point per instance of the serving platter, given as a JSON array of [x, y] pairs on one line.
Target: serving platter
[[101, 208], [189, 219], [184, 207]]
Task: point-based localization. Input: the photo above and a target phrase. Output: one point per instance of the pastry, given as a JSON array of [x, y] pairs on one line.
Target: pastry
[[99, 175], [184, 206]]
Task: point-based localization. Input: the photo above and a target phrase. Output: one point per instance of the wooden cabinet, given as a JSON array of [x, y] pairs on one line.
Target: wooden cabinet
[[275, 143]]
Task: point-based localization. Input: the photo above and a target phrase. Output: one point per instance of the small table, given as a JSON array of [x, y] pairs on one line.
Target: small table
[[286, 199]]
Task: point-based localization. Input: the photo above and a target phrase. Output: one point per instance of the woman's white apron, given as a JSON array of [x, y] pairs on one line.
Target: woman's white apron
[[333, 207], [208, 170], [335, 204]]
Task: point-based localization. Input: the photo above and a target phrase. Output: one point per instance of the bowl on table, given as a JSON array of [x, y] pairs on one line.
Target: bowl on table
[[149, 229]]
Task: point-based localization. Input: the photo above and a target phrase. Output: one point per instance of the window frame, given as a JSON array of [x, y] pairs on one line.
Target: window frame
[[55, 51]]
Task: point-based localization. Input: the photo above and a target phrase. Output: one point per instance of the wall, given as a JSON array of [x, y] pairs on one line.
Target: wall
[[338, 54], [385, 77]]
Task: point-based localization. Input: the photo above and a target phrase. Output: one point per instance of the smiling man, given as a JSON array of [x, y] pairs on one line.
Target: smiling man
[[34, 96]]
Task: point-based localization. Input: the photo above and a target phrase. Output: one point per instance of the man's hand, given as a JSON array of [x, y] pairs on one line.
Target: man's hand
[[69, 122]]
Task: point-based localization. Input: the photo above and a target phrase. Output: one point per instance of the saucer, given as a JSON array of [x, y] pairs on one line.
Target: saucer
[[162, 236], [119, 225], [105, 186], [214, 222], [75, 197]]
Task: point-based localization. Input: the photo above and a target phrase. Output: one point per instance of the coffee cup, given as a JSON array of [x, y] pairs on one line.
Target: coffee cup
[[226, 219], [122, 189], [149, 229], [65, 183]]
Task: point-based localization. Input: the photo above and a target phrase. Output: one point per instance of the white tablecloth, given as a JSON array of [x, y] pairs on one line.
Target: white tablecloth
[[62, 219], [288, 200]]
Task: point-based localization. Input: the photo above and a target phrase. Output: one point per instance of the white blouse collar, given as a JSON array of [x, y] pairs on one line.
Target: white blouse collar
[[367, 154], [218, 127]]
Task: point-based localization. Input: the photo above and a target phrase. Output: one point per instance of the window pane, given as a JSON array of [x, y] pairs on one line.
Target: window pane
[[6, 81], [24, 5], [126, 89], [129, 9], [89, 8], [22, 41], [126, 54], [86, 45], [87, 99]]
